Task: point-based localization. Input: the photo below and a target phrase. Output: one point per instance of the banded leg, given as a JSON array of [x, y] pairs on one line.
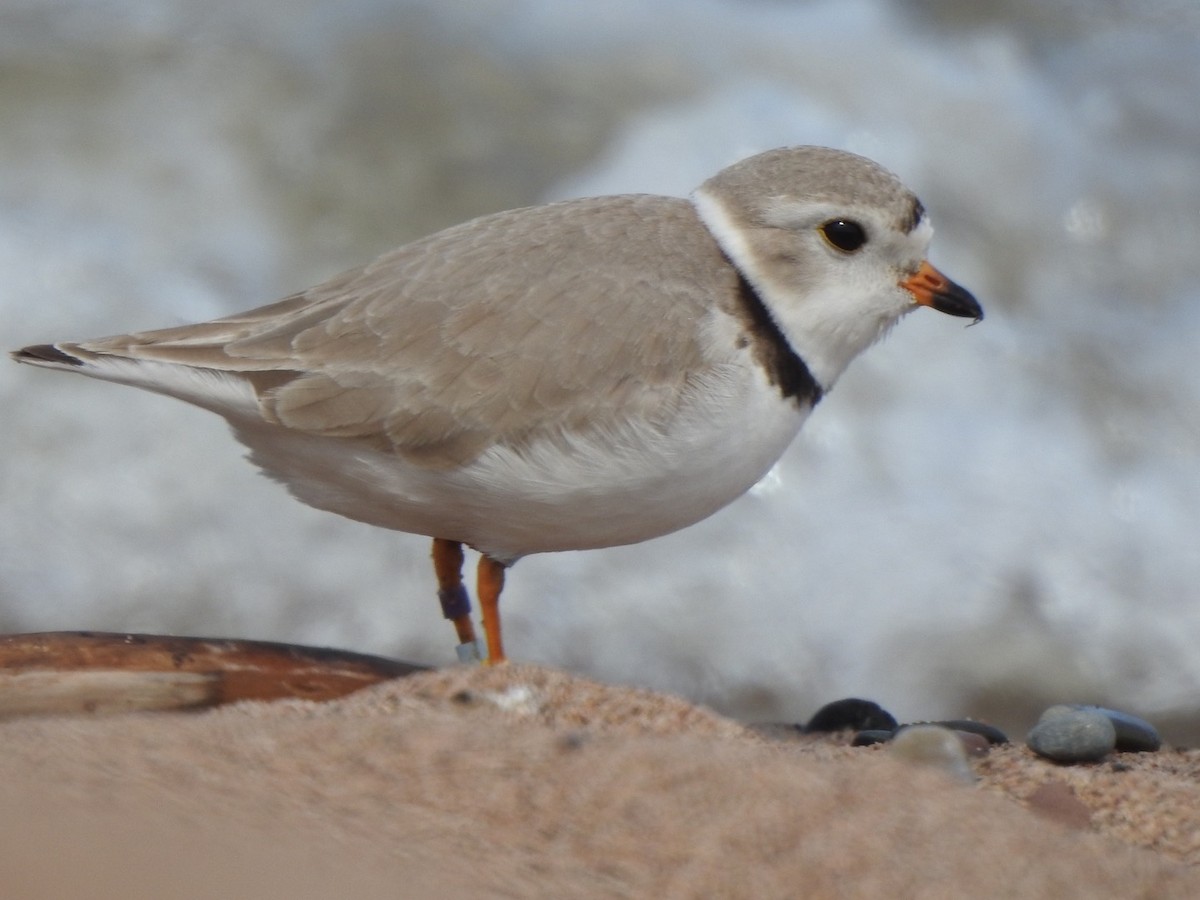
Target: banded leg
[[456, 603]]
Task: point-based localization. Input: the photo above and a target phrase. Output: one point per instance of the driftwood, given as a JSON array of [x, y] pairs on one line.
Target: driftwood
[[71, 672]]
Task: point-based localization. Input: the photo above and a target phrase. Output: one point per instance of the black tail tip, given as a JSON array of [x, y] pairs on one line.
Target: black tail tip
[[45, 353]]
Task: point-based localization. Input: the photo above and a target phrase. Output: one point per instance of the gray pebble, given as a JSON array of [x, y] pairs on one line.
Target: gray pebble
[[933, 745], [1134, 735], [1065, 734]]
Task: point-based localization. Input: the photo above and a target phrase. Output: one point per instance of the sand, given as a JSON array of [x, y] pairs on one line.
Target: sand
[[520, 781]]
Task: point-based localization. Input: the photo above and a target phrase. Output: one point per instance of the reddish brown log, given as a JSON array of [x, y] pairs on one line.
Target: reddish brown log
[[87, 671]]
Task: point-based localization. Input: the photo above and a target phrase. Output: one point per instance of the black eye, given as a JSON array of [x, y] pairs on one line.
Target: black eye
[[846, 236]]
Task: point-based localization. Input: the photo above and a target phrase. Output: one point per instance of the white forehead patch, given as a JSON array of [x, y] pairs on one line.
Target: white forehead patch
[[922, 234]]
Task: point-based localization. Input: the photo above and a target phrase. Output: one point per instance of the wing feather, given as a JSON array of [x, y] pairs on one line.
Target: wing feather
[[502, 329]]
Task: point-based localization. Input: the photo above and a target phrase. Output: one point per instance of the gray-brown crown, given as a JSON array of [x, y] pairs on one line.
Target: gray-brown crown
[[814, 175]]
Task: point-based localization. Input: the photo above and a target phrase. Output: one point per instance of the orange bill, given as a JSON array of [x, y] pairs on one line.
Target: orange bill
[[931, 288]]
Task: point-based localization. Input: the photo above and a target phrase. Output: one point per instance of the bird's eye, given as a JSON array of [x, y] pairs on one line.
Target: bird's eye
[[845, 235]]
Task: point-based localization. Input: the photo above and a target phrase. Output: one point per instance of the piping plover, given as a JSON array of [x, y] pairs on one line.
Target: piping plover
[[583, 374]]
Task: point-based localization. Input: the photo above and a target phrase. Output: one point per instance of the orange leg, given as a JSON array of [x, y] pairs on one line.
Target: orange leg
[[490, 584], [456, 605]]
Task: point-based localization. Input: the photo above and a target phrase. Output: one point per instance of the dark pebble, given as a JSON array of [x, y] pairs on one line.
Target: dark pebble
[[993, 734], [851, 714], [1134, 735], [1068, 735], [572, 740], [871, 736]]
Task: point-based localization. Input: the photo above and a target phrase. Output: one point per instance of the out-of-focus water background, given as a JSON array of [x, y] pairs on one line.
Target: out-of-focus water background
[[974, 522]]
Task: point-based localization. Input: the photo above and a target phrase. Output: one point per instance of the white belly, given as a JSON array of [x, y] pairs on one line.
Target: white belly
[[576, 493]]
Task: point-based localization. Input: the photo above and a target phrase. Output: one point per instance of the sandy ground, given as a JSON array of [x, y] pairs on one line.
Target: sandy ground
[[526, 782]]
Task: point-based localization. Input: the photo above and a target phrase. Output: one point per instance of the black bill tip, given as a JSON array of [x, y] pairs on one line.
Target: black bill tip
[[931, 288]]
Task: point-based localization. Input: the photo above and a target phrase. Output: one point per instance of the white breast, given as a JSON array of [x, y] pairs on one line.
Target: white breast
[[580, 491]]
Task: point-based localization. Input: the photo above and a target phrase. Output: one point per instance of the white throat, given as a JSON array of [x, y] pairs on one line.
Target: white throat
[[819, 327]]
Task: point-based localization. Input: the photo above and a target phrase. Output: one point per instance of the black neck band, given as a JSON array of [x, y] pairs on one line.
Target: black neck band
[[784, 367]]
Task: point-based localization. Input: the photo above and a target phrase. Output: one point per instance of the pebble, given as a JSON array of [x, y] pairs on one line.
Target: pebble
[[991, 733], [853, 714], [974, 744], [871, 736], [1065, 734], [933, 745], [1134, 735]]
